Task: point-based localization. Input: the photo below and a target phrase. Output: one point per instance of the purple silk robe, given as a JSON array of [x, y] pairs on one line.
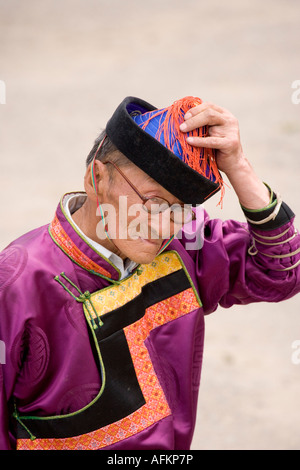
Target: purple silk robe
[[50, 367]]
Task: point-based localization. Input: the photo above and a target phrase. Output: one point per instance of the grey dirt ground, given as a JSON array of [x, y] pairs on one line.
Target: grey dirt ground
[[66, 65]]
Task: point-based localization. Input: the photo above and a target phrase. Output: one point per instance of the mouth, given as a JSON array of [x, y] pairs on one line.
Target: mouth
[[150, 242]]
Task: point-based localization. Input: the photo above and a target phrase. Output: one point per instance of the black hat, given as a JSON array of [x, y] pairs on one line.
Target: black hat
[[152, 140]]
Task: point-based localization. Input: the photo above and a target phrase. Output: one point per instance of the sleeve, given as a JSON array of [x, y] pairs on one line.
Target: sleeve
[[8, 373], [4, 432], [12, 325], [255, 261]]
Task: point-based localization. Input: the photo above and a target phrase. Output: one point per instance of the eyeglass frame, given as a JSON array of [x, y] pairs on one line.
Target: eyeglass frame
[[145, 199]]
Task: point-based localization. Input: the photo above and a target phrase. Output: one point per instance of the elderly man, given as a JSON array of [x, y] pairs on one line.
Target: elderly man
[[102, 311]]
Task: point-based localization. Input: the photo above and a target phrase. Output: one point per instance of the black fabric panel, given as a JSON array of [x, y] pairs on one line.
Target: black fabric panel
[[152, 293], [121, 396]]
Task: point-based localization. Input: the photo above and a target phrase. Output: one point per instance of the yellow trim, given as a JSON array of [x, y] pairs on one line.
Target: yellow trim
[[113, 297], [116, 296]]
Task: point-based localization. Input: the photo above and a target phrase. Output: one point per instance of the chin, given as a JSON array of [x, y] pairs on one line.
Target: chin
[[143, 251], [143, 259]]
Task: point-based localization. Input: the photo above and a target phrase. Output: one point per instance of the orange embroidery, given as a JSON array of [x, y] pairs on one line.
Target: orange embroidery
[[156, 407], [113, 297], [68, 246]]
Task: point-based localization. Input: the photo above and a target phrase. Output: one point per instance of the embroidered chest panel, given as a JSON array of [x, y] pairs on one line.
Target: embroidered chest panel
[[122, 318]]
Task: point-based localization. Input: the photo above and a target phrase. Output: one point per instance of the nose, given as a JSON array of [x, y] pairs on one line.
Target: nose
[[160, 226]]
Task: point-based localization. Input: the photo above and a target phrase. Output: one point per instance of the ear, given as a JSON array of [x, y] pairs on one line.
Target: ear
[[96, 180]]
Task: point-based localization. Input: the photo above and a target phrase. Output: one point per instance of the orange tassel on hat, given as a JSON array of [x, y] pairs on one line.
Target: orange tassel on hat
[[164, 125]]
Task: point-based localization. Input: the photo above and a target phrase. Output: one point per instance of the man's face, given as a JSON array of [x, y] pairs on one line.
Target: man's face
[[135, 233]]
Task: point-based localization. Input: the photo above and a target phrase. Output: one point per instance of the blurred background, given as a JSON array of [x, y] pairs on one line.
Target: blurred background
[[67, 64]]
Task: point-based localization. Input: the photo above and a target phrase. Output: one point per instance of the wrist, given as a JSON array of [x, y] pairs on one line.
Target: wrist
[[237, 166], [236, 163], [253, 194]]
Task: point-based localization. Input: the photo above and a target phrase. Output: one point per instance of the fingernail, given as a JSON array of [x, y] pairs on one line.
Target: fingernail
[[183, 126], [190, 140], [188, 115]]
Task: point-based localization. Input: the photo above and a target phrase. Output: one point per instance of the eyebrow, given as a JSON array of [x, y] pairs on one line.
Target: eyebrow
[[163, 196]]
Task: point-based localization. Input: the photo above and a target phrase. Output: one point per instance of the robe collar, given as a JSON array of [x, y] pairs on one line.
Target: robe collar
[[64, 233]]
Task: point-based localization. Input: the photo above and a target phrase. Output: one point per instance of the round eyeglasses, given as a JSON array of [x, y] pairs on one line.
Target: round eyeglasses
[[179, 213]]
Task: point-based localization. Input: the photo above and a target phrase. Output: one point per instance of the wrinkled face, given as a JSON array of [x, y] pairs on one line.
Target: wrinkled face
[[133, 232]]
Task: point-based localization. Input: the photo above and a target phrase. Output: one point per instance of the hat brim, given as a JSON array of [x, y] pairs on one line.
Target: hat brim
[[153, 158]]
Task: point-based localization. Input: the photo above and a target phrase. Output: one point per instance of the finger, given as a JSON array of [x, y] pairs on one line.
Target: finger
[[206, 117], [207, 142], [202, 107]]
